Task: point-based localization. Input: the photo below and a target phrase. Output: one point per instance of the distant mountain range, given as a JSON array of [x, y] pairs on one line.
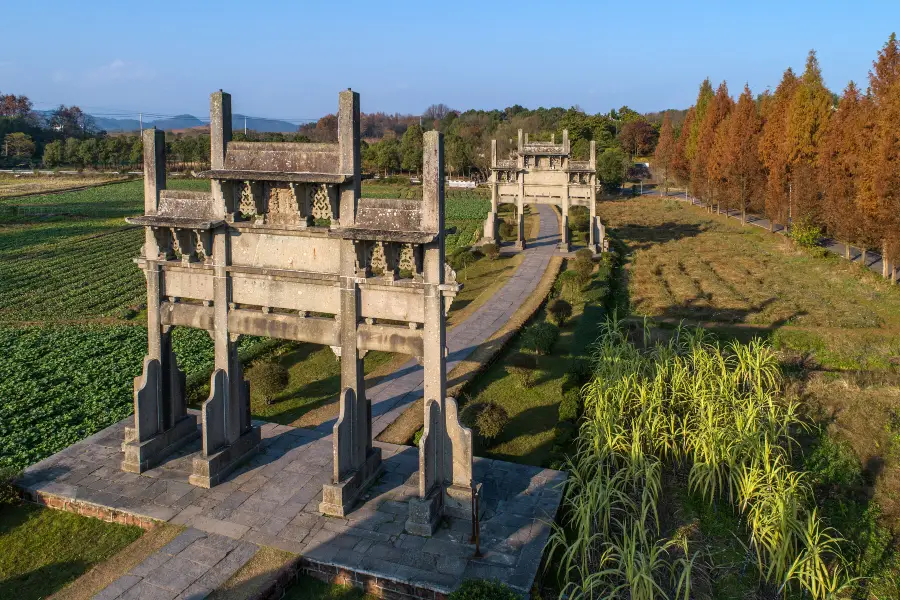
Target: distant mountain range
[[189, 122]]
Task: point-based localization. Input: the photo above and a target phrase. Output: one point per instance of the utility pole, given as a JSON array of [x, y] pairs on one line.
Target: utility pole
[[141, 121], [245, 125]]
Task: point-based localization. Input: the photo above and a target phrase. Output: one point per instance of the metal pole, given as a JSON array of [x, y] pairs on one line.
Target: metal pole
[[245, 125], [141, 120]]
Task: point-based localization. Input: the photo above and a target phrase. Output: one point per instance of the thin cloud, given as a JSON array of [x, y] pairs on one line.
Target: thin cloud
[[120, 70]]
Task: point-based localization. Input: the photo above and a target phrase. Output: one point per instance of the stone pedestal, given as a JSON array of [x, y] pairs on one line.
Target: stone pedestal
[[210, 470], [490, 228], [228, 437], [339, 498], [425, 513], [143, 456]]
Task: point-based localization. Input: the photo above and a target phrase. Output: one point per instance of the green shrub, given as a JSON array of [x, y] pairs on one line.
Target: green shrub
[[523, 367], [405, 274], [491, 420], [417, 437], [540, 337], [482, 589], [568, 287], [9, 494], [559, 311], [583, 270], [570, 405], [492, 251], [508, 231], [269, 378], [579, 218], [461, 259], [806, 234], [584, 254]]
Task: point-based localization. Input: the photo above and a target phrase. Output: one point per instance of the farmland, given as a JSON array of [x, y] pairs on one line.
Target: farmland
[[835, 331]]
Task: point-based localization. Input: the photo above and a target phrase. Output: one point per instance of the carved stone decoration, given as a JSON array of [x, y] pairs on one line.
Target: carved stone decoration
[[203, 246], [181, 244], [554, 162], [449, 274], [283, 208], [407, 260], [527, 162], [378, 263], [163, 243], [322, 203], [247, 205]]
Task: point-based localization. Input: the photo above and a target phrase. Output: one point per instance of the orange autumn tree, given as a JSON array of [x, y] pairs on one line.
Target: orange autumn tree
[[773, 149], [840, 166], [807, 118], [665, 150], [881, 191], [702, 170], [681, 163], [741, 147]]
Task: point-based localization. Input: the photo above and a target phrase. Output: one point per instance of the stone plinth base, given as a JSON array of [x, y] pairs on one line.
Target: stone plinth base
[[338, 498], [425, 513], [490, 228], [143, 456], [565, 246], [211, 470], [520, 245]]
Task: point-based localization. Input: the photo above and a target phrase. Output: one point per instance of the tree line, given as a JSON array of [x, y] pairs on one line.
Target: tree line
[[801, 156]]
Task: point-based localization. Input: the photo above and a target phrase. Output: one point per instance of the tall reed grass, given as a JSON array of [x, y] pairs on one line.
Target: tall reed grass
[[690, 405]]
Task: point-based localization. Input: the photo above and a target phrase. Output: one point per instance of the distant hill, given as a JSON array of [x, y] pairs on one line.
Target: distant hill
[[183, 122]]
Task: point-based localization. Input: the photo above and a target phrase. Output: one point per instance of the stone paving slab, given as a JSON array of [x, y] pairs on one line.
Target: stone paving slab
[[274, 500]]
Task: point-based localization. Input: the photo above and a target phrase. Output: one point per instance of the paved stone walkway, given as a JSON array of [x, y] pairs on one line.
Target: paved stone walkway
[[274, 499]]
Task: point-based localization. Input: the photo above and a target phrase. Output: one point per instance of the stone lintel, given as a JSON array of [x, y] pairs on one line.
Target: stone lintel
[[175, 222], [384, 235], [339, 498], [298, 177], [390, 338], [143, 456], [209, 471]]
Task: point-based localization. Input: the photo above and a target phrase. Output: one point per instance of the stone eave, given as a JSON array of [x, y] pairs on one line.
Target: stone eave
[[384, 235], [174, 222], [292, 177]]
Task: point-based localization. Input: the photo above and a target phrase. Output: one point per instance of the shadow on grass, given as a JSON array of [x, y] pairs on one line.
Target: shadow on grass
[[42, 581]]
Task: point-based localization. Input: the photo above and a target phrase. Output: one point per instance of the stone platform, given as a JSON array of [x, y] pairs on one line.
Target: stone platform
[[274, 501]]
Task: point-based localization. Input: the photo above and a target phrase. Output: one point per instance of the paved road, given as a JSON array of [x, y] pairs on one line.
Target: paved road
[[390, 397], [873, 260]]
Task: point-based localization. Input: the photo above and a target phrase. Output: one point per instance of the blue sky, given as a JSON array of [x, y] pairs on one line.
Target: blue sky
[[289, 60]]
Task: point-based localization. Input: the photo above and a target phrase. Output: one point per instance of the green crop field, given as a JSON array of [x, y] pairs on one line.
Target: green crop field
[[60, 384]]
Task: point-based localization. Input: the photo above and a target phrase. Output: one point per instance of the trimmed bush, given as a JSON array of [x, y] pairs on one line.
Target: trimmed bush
[[461, 258], [482, 589], [540, 337], [9, 494], [269, 379], [508, 231], [559, 311], [491, 420], [524, 368], [492, 251], [570, 405], [584, 254], [418, 436], [806, 234], [583, 270], [579, 218]]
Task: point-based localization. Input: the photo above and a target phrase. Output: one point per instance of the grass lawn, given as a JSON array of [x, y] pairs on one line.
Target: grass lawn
[[10, 185], [41, 550], [532, 431], [837, 329], [310, 588]]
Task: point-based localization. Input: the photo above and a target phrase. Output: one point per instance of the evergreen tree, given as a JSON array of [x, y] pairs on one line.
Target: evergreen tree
[[704, 97], [411, 149], [665, 151]]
